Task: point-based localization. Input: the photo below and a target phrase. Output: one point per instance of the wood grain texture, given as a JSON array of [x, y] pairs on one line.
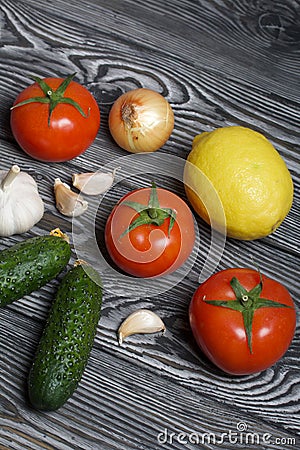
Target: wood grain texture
[[218, 63]]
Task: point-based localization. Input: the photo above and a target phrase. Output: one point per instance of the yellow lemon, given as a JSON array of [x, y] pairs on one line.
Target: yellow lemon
[[249, 177]]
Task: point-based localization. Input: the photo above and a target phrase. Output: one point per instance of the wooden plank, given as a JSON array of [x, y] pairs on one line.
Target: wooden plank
[[117, 404]]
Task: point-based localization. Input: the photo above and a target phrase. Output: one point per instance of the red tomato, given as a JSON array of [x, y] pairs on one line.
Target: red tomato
[[220, 331], [149, 250], [69, 133]]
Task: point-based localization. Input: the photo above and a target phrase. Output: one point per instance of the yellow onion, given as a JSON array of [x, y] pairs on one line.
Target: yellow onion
[[141, 120]]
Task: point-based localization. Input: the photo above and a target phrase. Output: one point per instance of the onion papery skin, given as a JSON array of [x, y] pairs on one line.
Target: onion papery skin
[[141, 120]]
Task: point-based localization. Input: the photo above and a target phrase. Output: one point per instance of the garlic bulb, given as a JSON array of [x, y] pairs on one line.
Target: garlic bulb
[[141, 321], [93, 183], [21, 206], [67, 202]]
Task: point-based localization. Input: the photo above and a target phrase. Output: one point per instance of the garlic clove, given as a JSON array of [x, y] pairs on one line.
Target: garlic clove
[[67, 202], [93, 183], [142, 321]]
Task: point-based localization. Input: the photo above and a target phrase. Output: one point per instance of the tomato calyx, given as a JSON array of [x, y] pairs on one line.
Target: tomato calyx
[[247, 302], [53, 97], [150, 214]]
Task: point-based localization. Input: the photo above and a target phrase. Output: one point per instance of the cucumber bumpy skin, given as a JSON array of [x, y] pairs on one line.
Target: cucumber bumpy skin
[[67, 339], [30, 264]]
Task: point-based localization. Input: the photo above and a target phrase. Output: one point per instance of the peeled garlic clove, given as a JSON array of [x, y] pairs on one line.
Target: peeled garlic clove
[[141, 321], [67, 202], [93, 183]]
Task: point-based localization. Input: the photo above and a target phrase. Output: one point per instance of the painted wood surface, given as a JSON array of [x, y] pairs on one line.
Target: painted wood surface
[[219, 63]]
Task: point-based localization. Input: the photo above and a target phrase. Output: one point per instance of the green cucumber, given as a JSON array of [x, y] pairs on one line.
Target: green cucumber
[[67, 339], [30, 264]]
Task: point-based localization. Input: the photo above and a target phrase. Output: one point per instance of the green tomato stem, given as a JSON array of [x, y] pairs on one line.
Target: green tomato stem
[[53, 97], [246, 303], [150, 214]]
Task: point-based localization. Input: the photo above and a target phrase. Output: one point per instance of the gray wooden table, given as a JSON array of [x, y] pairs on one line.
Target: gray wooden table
[[219, 63]]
